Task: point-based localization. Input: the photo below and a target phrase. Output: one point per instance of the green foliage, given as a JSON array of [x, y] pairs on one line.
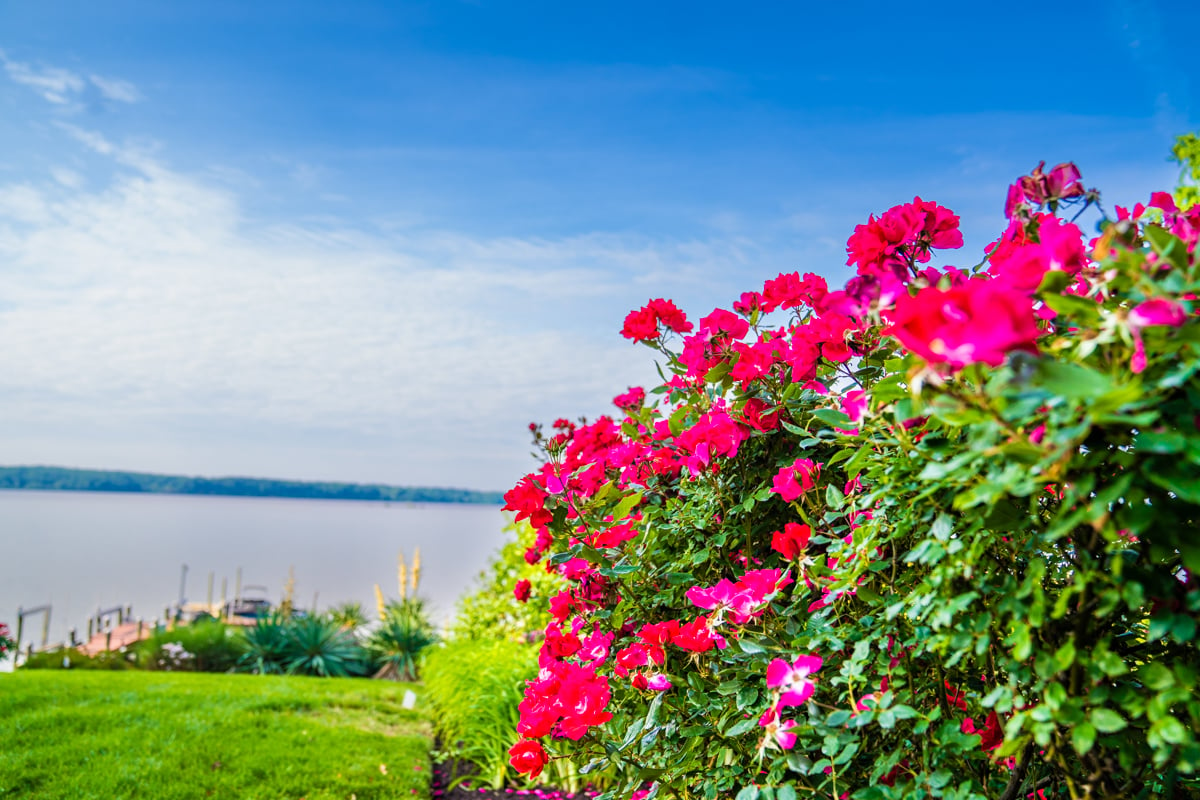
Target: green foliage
[[204, 646], [1014, 543], [320, 647], [403, 633], [86, 480], [349, 616], [474, 687], [316, 646], [491, 611], [1187, 153], [73, 659], [265, 647], [181, 736]]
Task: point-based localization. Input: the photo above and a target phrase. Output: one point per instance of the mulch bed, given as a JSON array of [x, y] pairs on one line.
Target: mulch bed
[[446, 772]]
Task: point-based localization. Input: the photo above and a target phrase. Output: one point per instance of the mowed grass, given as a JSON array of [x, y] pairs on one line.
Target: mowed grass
[[188, 735]]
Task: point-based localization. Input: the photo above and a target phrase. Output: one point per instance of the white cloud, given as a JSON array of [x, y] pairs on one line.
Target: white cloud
[[23, 203], [152, 303], [65, 88], [67, 177], [116, 89], [54, 84]]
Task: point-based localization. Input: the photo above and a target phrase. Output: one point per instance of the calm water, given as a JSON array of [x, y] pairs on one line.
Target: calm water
[[81, 551]]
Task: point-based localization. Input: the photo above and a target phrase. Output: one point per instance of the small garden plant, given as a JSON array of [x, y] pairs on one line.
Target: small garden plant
[[929, 534]]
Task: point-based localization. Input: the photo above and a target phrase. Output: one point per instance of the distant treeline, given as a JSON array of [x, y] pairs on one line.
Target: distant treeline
[[89, 480]]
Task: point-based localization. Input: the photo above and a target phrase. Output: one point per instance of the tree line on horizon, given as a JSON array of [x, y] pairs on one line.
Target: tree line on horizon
[[86, 480]]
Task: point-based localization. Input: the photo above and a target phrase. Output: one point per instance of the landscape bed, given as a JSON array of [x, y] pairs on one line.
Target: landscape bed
[[186, 735]]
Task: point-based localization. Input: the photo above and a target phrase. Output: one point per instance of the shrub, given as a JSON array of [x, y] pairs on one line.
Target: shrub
[[69, 658], [7, 643], [493, 611], [349, 616], [265, 647], [320, 647], [931, 534], [395, 646], [474, 687], [204, 646]]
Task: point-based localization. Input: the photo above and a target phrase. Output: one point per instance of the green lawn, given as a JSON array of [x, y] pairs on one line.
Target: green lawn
[[182, 735]]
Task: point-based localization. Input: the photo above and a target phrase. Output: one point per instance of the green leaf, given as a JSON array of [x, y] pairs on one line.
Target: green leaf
[[1083, 736], [718, 373], [834, 417], [618, 570], [1107, 721], [1156, 677], [1078, 309], [1170, 730], [738, 728], [748, 793], [652, 712], [940, 778], [838, 718], [625, 506], [834, 497], [1072, 381], [1064, 656], [1054, 281]]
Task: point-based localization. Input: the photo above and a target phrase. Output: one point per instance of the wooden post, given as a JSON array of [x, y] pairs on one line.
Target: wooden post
[[74, 638], [237, 589], [183, 586], [91, 626], [224, 598], [120, 615], [20, 628], [108, 639], [140, 625], [212, 576], [45, 627]]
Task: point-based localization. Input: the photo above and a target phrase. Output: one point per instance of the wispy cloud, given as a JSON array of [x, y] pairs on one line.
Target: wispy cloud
[[54, 84], [116, 89], [66, 88], [153, 302]]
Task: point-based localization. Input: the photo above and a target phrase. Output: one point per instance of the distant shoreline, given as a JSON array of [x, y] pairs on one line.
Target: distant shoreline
[[40, 478]]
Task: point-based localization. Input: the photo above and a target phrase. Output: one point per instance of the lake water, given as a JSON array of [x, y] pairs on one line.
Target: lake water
[[82, 551]]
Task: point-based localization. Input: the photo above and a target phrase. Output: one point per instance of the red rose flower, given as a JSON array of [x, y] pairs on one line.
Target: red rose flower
[[528, 757]]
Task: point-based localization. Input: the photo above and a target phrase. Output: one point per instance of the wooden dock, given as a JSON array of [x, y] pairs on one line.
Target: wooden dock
[[118, 636]]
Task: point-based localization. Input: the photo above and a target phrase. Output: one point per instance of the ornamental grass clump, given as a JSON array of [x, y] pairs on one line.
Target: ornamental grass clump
[[511, 595], [929, 534], [474, 687]]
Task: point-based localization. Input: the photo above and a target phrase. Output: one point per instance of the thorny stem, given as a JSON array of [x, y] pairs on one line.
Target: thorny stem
[[1018, 775]]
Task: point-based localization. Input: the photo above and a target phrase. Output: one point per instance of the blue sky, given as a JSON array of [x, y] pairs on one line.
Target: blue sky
[[372, 241]]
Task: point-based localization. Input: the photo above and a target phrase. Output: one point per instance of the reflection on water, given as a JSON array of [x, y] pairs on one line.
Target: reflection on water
[[82, 551]]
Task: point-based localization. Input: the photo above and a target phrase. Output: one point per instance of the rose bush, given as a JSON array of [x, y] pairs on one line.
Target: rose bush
[[7, 643], [931, 534]]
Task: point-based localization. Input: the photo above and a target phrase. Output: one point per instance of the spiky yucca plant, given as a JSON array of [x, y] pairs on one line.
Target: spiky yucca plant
[[265, 647], [401, 636], [319, 646], [348, 616]]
